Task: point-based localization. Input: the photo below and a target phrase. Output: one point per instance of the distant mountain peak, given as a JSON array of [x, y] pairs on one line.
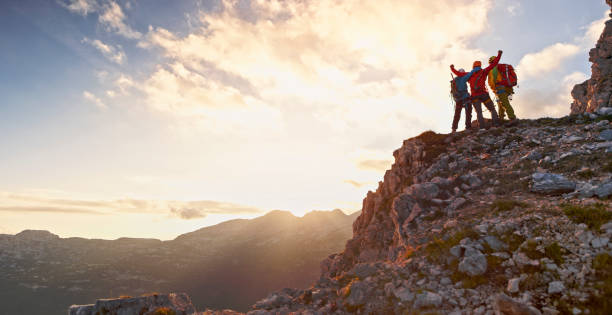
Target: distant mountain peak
[[36, 235]]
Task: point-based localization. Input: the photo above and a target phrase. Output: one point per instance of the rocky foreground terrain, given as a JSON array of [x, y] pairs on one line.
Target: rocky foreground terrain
[[232, 264]]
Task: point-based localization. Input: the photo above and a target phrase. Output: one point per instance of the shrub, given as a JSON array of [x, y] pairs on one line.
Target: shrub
[[554, 252], [530, 250], [437, 250], [501, 205], [601, 303], [592, 215]]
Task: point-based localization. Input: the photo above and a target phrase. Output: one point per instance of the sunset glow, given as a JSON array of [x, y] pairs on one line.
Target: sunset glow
[[145, 119]]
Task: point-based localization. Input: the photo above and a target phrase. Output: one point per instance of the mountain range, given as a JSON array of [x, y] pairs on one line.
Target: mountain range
[[231, 264]]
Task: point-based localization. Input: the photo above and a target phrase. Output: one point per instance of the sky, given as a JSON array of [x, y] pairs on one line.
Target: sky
[[155, 118]]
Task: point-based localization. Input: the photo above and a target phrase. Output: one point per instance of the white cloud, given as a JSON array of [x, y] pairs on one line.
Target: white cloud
[[342, 64], [13, 202], [514, 9], [113, 18], [94, 99], [593, 31], [82, 7], [546, 60], [110, 15], [112, 53], [124, 83], [555, 102]]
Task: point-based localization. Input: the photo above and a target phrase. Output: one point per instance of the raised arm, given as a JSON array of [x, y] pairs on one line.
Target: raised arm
[[457, 73], [495, 61]]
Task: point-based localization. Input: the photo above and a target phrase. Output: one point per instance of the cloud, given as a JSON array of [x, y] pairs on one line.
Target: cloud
[[113, 18], [110, 15], [82, 7], [94, 99], [593, 31], [515, 9], [546, 60], [337, 65], [355, 184], [375, 165], [47, 209], [11, 202], [534, 103], [188, 213], [112, 53]]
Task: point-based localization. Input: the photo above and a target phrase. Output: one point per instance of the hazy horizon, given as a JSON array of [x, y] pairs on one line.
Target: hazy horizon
[[146, 119]]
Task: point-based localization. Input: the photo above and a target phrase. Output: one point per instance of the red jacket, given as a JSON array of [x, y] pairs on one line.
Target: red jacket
[[478, 79]]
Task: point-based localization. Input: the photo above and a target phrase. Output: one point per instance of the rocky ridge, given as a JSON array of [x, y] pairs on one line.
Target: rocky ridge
[[596, 92], [511, 220]]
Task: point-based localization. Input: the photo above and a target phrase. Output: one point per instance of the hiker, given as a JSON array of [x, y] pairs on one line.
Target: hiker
[[501, 80], [462, 97], [480, 95]]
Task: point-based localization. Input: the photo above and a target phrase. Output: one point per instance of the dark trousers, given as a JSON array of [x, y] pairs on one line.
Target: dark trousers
[[488, 103], [459, 105]]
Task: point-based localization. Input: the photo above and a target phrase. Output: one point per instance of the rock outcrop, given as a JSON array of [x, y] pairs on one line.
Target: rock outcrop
[[596, 92]]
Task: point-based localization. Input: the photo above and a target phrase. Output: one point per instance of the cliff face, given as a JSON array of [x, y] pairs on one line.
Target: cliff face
[[596, 92]]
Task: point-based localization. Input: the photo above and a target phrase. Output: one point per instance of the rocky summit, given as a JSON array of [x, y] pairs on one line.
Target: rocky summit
[[596, 92], [511, 220]]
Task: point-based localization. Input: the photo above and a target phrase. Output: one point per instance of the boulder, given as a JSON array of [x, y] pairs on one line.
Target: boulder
[[474, 263], [555, 287], [505, 305], [606, 135], [603, 190], [513, 285], [427, 300], [424, 191], [551, 184], [357, 295]]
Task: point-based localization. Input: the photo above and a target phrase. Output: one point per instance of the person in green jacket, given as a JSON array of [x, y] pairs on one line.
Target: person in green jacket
[[502, 92]]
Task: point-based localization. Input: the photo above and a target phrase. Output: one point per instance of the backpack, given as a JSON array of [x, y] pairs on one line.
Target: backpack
[[507, 75], [454, 91], [476, 88]]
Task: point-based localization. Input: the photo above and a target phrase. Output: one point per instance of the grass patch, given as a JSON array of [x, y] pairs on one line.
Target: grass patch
[[601, 303], [585, 174], [502, 205], [533, 281], [437, 250], [603, 117], [530, 250], [574, 163], [434, 215], [513, 240], [592, 215], [555, 252]]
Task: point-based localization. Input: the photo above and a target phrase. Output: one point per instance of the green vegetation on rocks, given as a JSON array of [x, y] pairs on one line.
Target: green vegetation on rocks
[[592, 215]]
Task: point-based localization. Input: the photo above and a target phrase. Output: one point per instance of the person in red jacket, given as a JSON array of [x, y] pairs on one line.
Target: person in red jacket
[[480, 94]]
